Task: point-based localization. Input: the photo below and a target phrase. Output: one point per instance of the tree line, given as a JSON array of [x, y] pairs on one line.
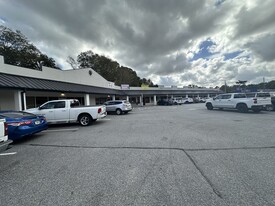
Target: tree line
[[19, 51], [249, 87], [108, 68]]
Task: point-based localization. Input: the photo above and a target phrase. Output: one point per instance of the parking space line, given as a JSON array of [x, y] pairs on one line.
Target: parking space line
[[61, 130], [6, 154]]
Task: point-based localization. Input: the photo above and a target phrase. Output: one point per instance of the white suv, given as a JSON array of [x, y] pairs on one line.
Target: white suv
[[118, 106]]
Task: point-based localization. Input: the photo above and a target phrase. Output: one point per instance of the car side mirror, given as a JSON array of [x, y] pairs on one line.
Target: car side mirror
[[39, 108], [214, 98]]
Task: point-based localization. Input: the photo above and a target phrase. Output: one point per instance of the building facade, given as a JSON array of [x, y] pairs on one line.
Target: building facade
[[23, 88]]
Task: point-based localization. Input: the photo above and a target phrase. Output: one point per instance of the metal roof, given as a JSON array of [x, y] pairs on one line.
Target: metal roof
[[10, 81], [35, 84], [171, 92]]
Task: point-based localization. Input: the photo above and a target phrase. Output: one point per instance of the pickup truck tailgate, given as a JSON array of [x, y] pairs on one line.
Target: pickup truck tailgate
[[264, 100], [4, 142], [3, 137], [102, 112]]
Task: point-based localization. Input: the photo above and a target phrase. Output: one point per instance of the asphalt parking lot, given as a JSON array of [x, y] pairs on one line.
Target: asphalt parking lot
[[163, 155]]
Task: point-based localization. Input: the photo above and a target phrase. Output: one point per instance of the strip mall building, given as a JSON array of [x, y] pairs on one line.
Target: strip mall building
[[23, 88]]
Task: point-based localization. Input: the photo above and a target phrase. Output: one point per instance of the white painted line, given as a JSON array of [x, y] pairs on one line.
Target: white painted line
[[192, 109], [60, 130], [6, 154], [104, 119]]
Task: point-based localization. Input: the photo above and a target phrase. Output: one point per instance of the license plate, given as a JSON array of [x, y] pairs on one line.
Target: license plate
[[37, 122]]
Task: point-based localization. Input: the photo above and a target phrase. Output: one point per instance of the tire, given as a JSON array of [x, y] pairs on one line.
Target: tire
[[85, 120], [269, 108], [209, 106], [118, 112], [242, 108]]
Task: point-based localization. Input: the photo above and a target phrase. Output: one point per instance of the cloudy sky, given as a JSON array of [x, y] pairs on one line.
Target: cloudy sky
[[172, 42]]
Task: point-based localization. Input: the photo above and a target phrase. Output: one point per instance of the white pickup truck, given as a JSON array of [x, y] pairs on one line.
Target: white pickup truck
[[237, 101], [263, 98], [4, 142], [68, 111]]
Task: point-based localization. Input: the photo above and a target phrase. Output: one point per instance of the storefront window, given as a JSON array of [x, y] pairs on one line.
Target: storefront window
[[41, 100], [30, 101]]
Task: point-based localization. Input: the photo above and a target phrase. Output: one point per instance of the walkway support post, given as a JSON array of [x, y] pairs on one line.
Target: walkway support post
[[87, 99]]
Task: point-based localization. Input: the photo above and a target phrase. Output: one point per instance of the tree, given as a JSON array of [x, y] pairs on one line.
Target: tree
[[18, 51], [109, 69], [270, 85]]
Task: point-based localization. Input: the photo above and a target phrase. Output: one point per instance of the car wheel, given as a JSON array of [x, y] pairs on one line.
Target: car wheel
[[209, 106], [269, 108], [118, 112], [85, 120], [242, 108]]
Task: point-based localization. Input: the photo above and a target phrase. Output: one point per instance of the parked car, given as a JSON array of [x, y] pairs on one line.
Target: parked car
[[164, 102], [21, 124], [118, 106], [196, 100], [273, 102], [187, 100], [68, 111], [177, 100], [237, 101], [202, 99], [263, 98], [4, 142], [199, 100]]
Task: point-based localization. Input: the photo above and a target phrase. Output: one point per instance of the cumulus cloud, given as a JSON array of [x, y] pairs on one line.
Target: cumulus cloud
[[167, 81], [264, 47], [173, 64], [255, 17], [157, 38]]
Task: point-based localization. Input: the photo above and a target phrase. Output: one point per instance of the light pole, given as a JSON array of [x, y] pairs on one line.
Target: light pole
[[240, 82]]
